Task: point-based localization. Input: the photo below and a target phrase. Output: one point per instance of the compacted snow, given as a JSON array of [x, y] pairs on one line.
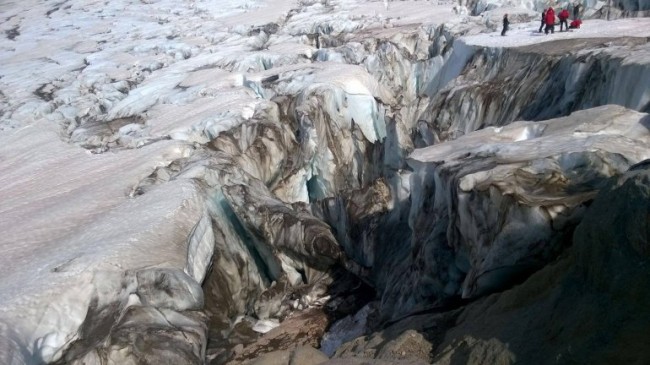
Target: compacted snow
[[100, 100], [525, 34], [74, 217]]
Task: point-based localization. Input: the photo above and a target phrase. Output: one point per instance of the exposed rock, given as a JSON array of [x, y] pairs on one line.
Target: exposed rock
[[409, 345], [301, 329], [355, 361], [272, 358], [413, 338], [307, 356], [304, 355], [473, 351]]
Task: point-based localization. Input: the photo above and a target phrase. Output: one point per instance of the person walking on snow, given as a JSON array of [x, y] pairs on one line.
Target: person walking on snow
[[550, 21], [506, 24], [543, 20], [564, 15]]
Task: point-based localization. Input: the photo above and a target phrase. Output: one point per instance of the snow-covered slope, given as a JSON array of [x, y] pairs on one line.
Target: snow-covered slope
[[169, 167], [104, 189]]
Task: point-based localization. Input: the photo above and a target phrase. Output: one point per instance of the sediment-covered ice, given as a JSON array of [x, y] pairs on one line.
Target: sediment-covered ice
[[168, 167], [506, 199], [78, 238]]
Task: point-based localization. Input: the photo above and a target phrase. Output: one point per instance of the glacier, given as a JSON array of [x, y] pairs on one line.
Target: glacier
[[178, 178]]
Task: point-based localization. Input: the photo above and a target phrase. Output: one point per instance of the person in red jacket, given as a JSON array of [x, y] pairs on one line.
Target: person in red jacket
[[575, 24], [550, 20], [564, 16]]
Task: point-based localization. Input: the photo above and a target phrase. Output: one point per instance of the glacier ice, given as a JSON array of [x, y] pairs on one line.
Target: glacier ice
[[167, 168]]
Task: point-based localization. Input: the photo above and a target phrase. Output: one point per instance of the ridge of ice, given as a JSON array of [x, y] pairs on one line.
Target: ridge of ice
[[74, 222]]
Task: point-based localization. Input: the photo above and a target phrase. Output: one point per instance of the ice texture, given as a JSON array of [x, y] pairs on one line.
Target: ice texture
[[166, 164], [75, 228]]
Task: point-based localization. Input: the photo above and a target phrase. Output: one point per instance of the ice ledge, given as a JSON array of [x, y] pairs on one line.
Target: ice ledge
[[505, 200], [525, 34], [609, 127]]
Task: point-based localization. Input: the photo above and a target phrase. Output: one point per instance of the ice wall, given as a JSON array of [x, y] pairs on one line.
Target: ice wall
[[538, 82], [186, 168], [494, 205], [498, 85], [592, 286]]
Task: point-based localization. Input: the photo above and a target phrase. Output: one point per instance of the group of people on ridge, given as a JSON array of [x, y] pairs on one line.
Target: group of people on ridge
[[548, 20]]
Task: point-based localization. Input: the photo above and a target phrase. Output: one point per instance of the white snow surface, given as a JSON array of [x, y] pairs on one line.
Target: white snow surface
[[71, 220], [609, 128], [525, 34], [70, 225]]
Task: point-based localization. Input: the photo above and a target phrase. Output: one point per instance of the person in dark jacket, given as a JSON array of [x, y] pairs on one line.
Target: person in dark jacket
[[550, 21], [506, 24], [564, 16], [576, 11], [543, 20]]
